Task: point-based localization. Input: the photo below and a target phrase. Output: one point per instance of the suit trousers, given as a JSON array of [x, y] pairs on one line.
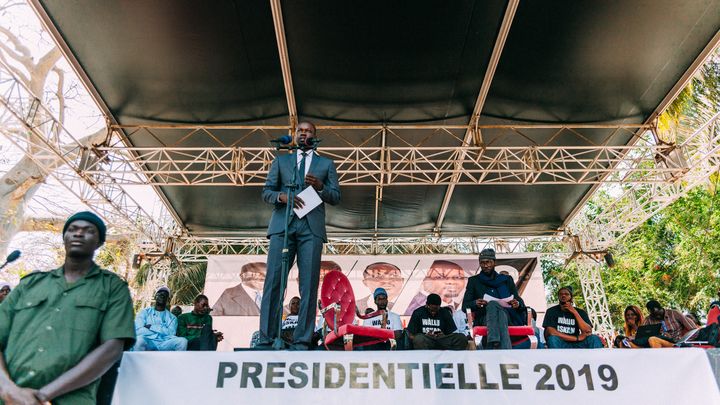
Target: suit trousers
[[308, 249], [497, 324]]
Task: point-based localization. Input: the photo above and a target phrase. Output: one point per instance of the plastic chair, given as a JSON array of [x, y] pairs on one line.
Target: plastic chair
[[337, 306]]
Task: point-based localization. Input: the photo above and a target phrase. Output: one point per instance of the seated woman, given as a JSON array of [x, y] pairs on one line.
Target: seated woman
[[633, 319]]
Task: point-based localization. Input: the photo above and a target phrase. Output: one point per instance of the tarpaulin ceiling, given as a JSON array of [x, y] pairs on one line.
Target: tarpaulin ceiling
[[385, 62]]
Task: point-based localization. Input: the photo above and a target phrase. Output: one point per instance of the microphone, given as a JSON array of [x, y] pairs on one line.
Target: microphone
[[283, 140], [312, 142], [11, 258]]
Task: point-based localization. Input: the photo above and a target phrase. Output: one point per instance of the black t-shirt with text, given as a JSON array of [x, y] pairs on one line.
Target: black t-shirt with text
[[564, 322], [422, 322]]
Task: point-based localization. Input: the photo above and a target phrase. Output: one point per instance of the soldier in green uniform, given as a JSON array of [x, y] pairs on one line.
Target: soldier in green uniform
[[61, 330]]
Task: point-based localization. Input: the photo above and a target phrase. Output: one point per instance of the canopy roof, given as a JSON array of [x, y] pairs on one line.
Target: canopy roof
[[385, 62]]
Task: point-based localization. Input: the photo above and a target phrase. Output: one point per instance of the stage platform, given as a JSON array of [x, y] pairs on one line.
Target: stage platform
[[670, 376]]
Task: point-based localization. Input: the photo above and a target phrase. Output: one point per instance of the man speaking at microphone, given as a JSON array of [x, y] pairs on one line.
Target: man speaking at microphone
[[306, 235]]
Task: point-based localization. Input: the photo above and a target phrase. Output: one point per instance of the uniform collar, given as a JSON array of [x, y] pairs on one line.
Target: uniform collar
[[94, 271]]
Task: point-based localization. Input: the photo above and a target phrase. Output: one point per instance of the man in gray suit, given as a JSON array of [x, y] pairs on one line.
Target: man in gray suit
[[305, 235]]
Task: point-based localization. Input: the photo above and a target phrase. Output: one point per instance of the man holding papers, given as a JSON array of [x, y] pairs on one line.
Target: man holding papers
[[316, 176], [495, 302]]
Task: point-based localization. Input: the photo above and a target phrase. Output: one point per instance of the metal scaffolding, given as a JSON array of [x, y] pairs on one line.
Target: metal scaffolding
[[589, 271], [62, 156], [196, 249], [695, 159], [362, 165]]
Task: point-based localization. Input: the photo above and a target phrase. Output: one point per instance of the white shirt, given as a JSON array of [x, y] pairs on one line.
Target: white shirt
[[308, 159], [461, 322], [393, 321]]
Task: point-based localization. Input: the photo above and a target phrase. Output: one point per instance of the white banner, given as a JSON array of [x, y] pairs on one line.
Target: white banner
[[644, 376]]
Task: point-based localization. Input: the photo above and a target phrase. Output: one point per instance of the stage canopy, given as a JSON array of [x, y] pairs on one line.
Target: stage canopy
[[385, 62]]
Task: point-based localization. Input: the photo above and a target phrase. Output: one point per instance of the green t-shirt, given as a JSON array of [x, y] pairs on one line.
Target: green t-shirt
[[47, 326], [190, 325]]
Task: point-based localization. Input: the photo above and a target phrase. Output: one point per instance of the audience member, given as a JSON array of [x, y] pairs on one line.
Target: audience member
[[569, 327], [633, 319], [432, 328], [673, 325], [4, 291], [177, 311], [196, 327], [155, 327], [392, 320], [482, 295], [287, 331], [61, 330]]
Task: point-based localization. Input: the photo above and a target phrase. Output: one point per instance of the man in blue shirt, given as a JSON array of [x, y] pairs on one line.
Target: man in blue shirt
[[155, 327]]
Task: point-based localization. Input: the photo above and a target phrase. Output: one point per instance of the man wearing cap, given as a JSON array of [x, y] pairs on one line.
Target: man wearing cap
[[494, 301], [673, 325], [569, 327], [433, 328], [63, 329], [4, 290], [391, 320], [156, 326]]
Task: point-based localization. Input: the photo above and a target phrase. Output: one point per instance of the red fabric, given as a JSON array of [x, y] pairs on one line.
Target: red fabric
[[713, 315], [362, 335], [336, 288], [512, 330]]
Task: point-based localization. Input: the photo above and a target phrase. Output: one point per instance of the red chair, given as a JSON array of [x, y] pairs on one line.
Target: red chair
[[713, 315], [337, 306], [518, 334]]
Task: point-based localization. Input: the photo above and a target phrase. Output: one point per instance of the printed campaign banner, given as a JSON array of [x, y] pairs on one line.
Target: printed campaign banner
[[603, 376], [234, 284]]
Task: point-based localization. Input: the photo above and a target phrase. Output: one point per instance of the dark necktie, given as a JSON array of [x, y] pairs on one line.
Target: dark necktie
[[301, 170]]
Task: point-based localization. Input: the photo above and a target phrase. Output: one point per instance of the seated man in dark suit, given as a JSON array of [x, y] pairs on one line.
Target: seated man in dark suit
[[489, 312]]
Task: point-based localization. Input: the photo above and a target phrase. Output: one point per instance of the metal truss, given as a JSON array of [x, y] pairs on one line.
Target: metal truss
[[695, 158], [158, 273], [196, 249], [60, 155], [595, 298], [643, 163]]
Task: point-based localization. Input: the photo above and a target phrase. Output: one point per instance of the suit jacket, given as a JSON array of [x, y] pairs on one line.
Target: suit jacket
[[281, 172], [475, 289], [235, 301]]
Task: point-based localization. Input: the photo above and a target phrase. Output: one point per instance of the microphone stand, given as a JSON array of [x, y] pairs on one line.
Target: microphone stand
[[278, 343]]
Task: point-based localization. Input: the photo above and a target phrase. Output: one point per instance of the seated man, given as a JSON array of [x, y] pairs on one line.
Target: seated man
[[433, 328], [289, 324], [674, 326], [568, 327], [177, 311], [196, 327], [155, 327], [488, 283], [392, 322]]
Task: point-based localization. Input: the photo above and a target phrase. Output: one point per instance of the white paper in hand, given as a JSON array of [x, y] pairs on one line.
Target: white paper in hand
[[311, 199], [504, 302]]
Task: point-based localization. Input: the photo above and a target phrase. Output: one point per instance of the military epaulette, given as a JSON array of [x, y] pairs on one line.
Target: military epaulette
[[34, 273]]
